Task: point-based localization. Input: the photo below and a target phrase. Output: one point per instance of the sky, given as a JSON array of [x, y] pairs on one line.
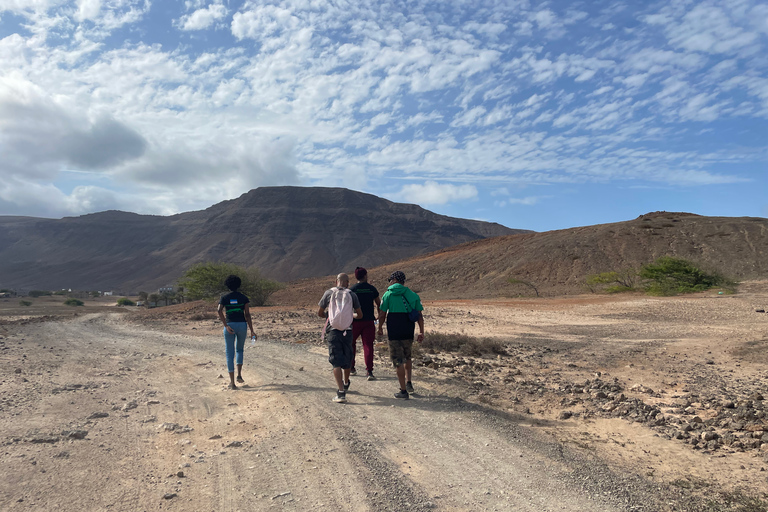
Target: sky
[[536, 115]]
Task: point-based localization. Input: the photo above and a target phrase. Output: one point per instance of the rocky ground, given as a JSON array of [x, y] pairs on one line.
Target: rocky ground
[[670, 390]]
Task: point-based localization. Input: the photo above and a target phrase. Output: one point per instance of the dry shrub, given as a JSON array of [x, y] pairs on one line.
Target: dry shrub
[[461, 343], [207, 315]]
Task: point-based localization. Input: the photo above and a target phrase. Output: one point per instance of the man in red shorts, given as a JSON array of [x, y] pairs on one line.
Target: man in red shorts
[[365, 327]]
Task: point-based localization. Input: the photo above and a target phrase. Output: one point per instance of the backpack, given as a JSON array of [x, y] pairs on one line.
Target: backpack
[[340, 309]]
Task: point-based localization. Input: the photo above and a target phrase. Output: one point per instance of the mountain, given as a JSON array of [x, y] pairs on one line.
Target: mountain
[[557, 262], [287, 232]]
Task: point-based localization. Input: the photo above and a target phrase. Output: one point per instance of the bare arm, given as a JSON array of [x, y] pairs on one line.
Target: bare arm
[[248, 318], [358, 313], [420, 337], [382, 319], [377, 301], [321, 312], [224, 319]]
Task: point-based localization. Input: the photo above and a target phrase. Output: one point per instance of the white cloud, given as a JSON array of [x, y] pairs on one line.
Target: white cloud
[[433, 193], [203, 18]]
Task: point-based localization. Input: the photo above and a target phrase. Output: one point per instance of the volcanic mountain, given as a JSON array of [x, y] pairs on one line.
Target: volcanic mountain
[[287, 232], [558, 262]]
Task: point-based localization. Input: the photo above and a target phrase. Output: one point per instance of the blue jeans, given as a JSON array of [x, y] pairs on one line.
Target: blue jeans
[[241, 329]]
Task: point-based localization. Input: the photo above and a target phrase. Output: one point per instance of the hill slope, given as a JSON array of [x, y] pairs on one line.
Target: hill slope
[[557, 262], [288, 232]]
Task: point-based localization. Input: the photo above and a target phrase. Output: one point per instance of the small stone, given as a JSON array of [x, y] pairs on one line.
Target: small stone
[[564, 415], [180, 474], [234, 444], [169, 495], [98, 415], [74, 434]]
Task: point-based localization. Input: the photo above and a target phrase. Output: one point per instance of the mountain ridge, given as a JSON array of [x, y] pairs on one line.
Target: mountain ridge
[[557, 262], [287, 232]]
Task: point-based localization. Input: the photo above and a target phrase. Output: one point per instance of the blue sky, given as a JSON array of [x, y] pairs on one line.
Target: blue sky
[[536, 115]]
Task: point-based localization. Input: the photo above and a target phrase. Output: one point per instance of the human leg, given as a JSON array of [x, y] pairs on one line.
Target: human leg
[[408, 364], [339, 355], [229, 346], [397, 354], [368, 336], [241, 330], [357, 328]]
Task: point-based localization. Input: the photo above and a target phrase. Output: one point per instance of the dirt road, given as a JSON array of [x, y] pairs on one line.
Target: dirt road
[[98, 413]]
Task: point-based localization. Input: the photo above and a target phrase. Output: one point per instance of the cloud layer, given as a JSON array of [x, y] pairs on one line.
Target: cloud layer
[[128, 104]]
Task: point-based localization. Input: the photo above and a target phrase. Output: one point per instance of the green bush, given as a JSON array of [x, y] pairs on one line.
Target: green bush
[[39, 293], [670, 276], [465, 345], [25, 303], [74, 302], [613, 282], [123, 301], [206, 281]]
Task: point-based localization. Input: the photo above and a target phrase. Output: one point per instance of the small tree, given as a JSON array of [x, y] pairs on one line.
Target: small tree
[[143, 296], [206, 281], [530, 285], [153, 298], [95, 294], [73, 302], [670, 276], [25, 303], [619, 281], [38, 293], [167, 295], [124, 301]]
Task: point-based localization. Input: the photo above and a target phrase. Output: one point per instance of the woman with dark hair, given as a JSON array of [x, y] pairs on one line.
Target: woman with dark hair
[[235, 314]]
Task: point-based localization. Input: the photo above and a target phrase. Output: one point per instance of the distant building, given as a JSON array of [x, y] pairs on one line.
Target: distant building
[[107, 294], [165, 289]]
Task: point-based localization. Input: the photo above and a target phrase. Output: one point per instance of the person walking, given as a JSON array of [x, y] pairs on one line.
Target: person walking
[[340, 307], [401, 309], [234, 312], [365, 327]]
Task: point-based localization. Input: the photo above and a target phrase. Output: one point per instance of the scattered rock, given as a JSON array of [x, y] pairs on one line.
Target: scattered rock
[[74, 434], [98, 415], [42, 438], [169, 495], [129, 405], [234, 444], [564, 415]]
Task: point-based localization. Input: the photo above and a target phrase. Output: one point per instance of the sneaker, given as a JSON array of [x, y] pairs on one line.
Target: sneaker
[[346, 386], [353, 372], [402, 394], [340, 397], [370, 376], [409, 387]]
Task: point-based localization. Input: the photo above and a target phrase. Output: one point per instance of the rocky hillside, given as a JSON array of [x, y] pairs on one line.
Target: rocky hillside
[[557, 262], [288, 232]]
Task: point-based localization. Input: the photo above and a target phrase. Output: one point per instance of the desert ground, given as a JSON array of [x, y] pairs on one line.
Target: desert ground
[[591, 402]]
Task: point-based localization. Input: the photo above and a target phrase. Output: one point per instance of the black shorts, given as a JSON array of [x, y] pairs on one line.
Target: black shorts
[[339, 348]]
